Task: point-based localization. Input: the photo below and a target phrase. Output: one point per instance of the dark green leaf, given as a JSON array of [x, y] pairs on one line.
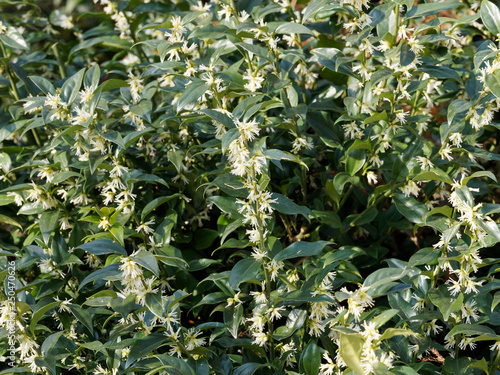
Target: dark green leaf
[[191, 94], [103, 246], [493, 82], [249, 368], [111, 270], [302, 249], [355, 161], [71, 87], [310, 359], [490, 15], [244, 270], [445, 302], [48, 223], [470, 329], [427, 9], [148, 261], [143, 347], [410, 208], [293, 28], [288, 207]]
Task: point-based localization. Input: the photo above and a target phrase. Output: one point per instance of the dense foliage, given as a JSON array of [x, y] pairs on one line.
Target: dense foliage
[[249, 187]]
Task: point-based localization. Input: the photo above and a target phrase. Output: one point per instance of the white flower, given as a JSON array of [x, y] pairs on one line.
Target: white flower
[[260, 338], [259, 297], [258, 322], [191, 340], [299, 143], [248, 129], [274, 312], [64, 304], [401, 116], [445, 152], [370, 333], [234, 300], [82, 116], [135, 84], [327, 368], [104, 223], [432, 326], [86, 94], [415, 47], [273, 267], [371, 177], [403, 31], [315, 327], [27, 347], [469, 310], [495, 346], [420, 303], [131, 274], [358, 301], [410, 188], [351, 130], [424, 162], [130, 60], [467, 341], [18, 199], [121, 24], [54, 101], [145, 227], [225, 12], [254, 80], [456, 139], [66, 22]]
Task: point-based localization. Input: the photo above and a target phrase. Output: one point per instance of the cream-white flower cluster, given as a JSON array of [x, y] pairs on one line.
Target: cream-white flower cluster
[[119, 17]]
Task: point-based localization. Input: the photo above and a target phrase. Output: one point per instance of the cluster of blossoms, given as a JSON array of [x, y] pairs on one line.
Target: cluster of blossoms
[[133, 280], [469, 258], [121, 21], [321, 312], [180, 47], [25, 345], [256, 209], [372, 353], [137, 145]]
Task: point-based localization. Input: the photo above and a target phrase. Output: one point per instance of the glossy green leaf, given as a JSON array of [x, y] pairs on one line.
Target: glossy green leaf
[[302, 249], [355, 161], [470, 329], [350, 347], [71, 87], [288, 207], [245, 270], [8, 220], [103, 246], [192, 93], [249, 368], [48, 223], [293, 28], [144, 346], [39, 311], [427, 9], [310, 359], [490, 15], [111, 270], [148, 261], [445, 302], [410, 208]]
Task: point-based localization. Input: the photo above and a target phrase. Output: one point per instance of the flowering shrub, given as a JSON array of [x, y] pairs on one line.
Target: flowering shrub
[[249, 187]]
